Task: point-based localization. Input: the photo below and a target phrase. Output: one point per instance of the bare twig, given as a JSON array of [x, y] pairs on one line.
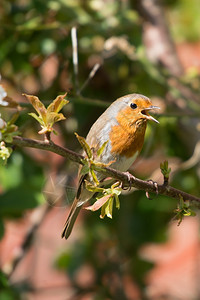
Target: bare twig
[[193, 160], [75, 56], [91, 75], [49, 146], [139, 184], [159, 44]]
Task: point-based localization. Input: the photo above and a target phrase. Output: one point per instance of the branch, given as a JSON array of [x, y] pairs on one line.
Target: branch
[[139, 184], [49, 146], [157, 39]]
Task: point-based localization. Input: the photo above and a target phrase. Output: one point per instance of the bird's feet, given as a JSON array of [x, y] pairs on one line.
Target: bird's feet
[[130, 180], [155, 186]]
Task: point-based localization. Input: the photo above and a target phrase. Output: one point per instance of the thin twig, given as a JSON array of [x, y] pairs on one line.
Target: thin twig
[[91, 75], [193, 160], [139, 184], [49, 146], [75, 57], [156, 35]]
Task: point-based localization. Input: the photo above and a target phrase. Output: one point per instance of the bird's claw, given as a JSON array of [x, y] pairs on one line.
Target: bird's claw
[[155, 186], [130, 179]]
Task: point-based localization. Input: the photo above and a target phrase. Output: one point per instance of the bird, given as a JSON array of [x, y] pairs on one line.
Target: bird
[[122, 125]]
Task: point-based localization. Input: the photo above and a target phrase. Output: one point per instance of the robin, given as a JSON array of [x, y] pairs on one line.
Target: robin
[[123, 126]]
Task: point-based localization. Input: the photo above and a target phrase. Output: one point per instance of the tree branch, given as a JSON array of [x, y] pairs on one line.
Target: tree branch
[[49, 146], [156, 35], [139, 184]]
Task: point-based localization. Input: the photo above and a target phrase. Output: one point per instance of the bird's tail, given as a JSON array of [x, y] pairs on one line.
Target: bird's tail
[[73, 214]]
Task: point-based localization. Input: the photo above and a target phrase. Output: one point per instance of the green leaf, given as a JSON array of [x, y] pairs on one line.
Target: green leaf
[[37, 104], [117, 201], [183, 210], [53, 117], [93, 188], [84, 145], [103, 211], [105, 199], [101, 149], [107, 208], [165, 170], [94, 176], [85, 169], [47, 117], [38, 118], [8, 130], [57, 104]]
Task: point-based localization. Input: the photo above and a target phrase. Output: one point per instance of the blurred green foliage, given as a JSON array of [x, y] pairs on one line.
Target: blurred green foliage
[[184, 20], [32, 33], [6, 292], [22, 182]]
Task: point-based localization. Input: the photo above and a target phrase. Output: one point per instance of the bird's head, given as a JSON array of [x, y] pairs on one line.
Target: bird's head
[[135, 109]]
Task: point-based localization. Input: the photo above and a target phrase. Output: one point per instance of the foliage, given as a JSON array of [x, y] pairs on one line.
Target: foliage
[[165, 170], [91, 163], [106, 196], [47, 116], [105, 199], [6, 293], [8, 129], [183, 210], [5, 153]]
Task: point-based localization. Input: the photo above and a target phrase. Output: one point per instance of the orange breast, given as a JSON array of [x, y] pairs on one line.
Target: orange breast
[[128, 137]]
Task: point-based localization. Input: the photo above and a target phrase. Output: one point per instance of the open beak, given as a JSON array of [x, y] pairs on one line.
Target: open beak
[[149, 117]]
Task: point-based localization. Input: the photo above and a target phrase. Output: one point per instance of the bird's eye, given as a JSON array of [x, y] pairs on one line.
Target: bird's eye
[[133, 105]]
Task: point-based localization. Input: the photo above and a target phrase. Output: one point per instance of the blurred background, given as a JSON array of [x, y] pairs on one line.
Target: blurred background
[[145, 46]]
